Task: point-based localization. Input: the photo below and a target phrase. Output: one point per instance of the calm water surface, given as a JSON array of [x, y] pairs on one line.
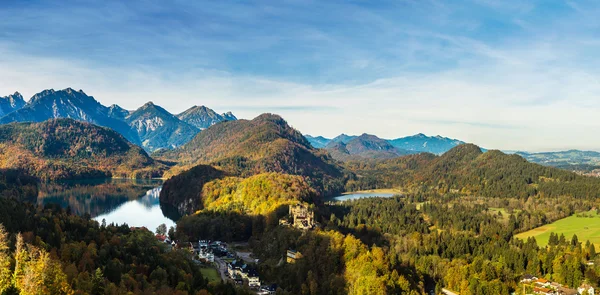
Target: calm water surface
[[353, 196], [134, 202]]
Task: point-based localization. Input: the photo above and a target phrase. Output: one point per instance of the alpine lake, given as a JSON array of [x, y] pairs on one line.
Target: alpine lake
[[134, 202]]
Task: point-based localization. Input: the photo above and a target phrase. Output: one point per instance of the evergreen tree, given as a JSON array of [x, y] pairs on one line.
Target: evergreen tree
[[161, 229]]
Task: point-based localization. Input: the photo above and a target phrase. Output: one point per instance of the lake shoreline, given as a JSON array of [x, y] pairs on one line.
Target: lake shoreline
[[377, 191]]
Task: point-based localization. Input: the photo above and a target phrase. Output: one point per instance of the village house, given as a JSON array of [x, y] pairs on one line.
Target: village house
[[292, 256], [205, 252], [206, 255], [543, 291], [527, 279], [544, 287], [566, 291], [239, 269], [586, 289]]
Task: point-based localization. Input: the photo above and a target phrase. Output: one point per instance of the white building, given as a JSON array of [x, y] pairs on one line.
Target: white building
[[586, 289]]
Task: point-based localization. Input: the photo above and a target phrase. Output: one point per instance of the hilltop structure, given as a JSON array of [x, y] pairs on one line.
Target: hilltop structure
[[301, 216]]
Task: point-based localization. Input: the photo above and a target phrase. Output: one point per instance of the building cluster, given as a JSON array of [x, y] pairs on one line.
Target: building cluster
[[176, 244], [300, 217], [544, 287], [207, 249], [240, 272]]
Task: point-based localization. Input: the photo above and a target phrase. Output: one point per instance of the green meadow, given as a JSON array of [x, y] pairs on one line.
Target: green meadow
[[211, 274], [586, 228]]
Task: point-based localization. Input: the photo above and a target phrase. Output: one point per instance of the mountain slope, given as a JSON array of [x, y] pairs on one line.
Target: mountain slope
[[68, 103], [415, 144], [159, 129], [364, 146], [69, 149], [422, 143], [465, 169], [317, 142], [202, 117], [150, 126], [343, 138], [11, 103], [265, 144], [117, 112]]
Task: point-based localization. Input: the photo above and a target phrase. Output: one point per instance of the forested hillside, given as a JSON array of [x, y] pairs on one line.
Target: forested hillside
[[69, 149], [246, 148], [463, 245], [469, 171]]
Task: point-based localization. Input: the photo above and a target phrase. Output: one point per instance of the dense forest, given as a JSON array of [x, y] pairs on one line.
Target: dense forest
[[47, 250], [465, 246], [69, 149], [454, 228], [411, 244], [468, 171]]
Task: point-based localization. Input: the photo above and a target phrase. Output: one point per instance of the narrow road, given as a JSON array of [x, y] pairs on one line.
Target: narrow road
[[222, 268]]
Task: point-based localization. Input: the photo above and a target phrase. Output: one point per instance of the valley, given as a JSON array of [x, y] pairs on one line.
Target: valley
[[299, 147], [415, 222]]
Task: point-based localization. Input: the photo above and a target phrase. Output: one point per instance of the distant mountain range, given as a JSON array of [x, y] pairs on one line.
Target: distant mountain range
[[365, 146], [403, 146], [150, 126], [576, 160], [202, 117], [158, 129], [11, 103], [423, 143], [154, 128]]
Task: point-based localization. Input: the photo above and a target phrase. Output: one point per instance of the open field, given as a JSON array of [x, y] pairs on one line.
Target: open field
[[211, 274], [586, 228]]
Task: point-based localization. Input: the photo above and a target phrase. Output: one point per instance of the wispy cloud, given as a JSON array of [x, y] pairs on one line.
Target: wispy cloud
[[503, 74]]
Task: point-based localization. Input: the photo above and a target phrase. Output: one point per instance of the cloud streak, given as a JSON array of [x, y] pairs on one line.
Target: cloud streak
[[502, 74]]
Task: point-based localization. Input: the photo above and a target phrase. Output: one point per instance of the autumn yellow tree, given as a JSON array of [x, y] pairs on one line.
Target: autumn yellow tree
[[36, 273], [21, 258], [5, 262]]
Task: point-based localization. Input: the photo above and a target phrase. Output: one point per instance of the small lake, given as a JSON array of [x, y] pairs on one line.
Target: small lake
[[118, 201], [353, 196]]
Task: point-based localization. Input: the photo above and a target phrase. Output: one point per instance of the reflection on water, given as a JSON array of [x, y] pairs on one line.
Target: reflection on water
[[360, 196], [145, 211], [135, 202]]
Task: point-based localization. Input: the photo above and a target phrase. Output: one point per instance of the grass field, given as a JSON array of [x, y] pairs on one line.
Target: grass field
[[586, 228], [211, 274]]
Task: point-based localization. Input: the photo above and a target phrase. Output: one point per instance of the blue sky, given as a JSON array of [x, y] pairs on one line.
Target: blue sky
[[502, 74]]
